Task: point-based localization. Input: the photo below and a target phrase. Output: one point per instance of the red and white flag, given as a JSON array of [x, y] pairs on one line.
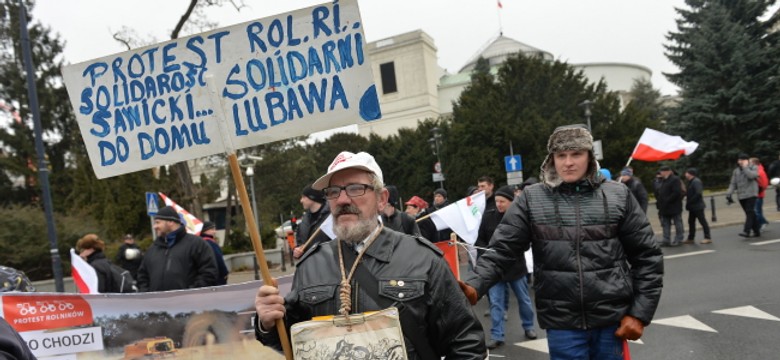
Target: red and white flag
[[463, 217], [84, 275], [193, 224], [656, 146]]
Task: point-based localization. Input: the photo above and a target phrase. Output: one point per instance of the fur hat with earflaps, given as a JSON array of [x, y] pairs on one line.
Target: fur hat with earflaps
[[563, 138]]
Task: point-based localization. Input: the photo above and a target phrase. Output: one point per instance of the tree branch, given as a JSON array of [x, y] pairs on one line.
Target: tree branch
[[183, 19]]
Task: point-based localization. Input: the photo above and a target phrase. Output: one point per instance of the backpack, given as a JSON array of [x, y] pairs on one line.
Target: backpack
[[121, 280]]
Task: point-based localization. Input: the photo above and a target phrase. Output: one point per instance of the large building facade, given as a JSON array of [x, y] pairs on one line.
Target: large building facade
[[412, 86]]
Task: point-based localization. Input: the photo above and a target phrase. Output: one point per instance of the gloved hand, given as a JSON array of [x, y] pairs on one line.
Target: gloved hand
[[630, 328], [469, 291], [729, 199]]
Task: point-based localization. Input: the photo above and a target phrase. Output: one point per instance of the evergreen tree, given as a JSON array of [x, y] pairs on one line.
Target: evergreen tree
[[728, 79], [19, 158], [527, 99]]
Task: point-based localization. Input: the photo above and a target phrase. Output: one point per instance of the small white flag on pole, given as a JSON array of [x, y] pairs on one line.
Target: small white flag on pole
[[463, 217]]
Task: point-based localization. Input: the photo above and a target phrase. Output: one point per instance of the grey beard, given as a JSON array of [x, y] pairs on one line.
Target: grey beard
[[357, 233]]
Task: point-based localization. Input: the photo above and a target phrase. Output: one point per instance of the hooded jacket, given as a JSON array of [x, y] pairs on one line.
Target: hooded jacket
[[185, 264], [595, 258], [411, 272]]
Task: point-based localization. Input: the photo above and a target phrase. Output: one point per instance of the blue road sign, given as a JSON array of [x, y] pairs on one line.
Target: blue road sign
[[513, 163], [151, 203]]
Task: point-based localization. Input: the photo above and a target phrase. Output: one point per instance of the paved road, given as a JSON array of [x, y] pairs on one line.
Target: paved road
[[720, 301]]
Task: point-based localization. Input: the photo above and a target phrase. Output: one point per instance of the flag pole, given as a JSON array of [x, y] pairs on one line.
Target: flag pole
[[246, 206], [629, 161], [424, 217], [311, 238]]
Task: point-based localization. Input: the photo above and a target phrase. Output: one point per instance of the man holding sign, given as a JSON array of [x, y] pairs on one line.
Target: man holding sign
[[393, 269]]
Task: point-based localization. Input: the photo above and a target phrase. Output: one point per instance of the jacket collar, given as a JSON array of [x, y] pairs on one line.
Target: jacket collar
[[382, 248]]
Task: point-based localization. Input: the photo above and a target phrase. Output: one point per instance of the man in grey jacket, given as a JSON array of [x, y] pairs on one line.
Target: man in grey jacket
[[744, 183], [598, 271]]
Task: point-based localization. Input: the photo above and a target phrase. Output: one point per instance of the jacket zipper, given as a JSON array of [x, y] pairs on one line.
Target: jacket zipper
[[578, 242]]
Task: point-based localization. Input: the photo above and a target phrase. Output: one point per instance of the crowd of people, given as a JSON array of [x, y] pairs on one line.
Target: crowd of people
[[597, 265]]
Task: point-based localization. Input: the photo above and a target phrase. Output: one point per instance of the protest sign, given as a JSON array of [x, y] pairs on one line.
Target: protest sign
[[277, 77], [190, 324]]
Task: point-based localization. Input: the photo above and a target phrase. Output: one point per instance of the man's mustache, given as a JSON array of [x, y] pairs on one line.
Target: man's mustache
[[346, 209]]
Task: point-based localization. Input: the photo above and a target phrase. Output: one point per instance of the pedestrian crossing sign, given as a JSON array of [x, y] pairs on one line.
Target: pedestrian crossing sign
[[151, 204]]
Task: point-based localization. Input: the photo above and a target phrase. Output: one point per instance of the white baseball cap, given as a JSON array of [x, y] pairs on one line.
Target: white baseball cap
[[348, 160]]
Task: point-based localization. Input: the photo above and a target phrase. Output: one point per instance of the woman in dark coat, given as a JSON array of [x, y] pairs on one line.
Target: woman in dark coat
[[90, 248]]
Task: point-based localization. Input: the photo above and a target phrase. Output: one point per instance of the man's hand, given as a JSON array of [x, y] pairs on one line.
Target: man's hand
[[630, 328], [729, 199], [469, 291], [269, 305], [298, 252]]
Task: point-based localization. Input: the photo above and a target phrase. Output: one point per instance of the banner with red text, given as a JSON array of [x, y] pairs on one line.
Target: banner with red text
[[207, 323]]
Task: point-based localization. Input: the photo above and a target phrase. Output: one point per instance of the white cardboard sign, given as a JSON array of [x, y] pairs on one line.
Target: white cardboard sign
[[278, 77]]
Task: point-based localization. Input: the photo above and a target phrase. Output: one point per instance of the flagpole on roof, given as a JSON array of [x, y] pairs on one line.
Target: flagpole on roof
[[498, 12]]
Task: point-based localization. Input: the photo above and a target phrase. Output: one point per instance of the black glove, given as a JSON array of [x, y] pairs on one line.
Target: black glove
[[729, 200]]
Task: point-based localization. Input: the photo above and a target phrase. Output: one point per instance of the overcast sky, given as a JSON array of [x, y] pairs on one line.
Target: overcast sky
[[576, 31]]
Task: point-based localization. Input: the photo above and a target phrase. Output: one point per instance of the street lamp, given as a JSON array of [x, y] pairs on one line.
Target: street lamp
[[587, 104], [435, 142]]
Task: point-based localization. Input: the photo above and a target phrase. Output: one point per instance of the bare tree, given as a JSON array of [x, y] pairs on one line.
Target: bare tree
[[194, 19]]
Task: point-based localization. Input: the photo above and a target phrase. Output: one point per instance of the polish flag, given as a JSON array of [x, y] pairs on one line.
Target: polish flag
[[656, 146], [84, 275], [463, 217], [193, 224]]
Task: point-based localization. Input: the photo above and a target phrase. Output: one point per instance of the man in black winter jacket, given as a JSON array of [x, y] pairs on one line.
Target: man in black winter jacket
[[669, 198], [176, 260], [129, 256], [694, 203], [598, 272], [637, 189], [395, 219], [316, 211]]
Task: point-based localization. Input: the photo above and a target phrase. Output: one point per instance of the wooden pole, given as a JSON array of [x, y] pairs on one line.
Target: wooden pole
[[423, 218], [311, 238], [246, 206], [257, 245]]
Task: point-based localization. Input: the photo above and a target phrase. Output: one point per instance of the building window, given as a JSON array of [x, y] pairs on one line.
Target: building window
[[388, 78]]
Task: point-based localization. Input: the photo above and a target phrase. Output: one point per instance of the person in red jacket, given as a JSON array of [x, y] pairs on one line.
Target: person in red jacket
[[763, 183]]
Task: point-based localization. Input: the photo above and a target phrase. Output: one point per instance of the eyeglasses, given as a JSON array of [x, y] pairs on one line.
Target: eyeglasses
[[352, 190]]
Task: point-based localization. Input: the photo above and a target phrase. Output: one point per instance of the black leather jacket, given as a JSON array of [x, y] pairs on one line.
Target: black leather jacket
[[595, 259], [429, 291]]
